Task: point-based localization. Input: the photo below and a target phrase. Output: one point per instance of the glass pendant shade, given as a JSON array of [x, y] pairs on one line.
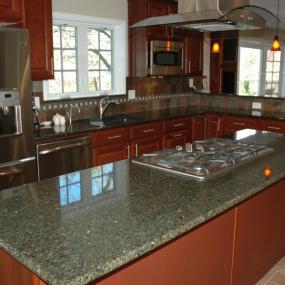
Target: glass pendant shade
[[276, 44], [216, 47]]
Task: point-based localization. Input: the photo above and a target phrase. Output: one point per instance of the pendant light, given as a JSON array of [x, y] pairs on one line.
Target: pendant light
[[216, 47], [276, 46]]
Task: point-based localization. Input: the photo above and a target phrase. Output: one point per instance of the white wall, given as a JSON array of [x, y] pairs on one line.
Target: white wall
[[115, 9]]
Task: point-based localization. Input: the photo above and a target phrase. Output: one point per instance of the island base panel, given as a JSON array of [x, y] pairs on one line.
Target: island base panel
[[203, 256], [260, 235], [13, 272]]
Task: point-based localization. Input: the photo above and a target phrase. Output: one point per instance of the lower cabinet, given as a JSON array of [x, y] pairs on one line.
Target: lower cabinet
[[198, 128], [236, 123], [147, 145], [272, 125], [213, 126], [145, 138], [174, 139], [111, 145]]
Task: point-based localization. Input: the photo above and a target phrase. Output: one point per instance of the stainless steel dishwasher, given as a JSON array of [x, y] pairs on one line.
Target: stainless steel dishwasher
[[64, 156]]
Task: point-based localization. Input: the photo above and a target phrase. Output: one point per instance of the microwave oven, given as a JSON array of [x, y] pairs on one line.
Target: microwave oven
[[166, 58]]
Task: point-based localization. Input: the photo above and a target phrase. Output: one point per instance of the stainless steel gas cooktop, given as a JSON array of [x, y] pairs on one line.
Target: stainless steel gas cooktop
[[203, 159]]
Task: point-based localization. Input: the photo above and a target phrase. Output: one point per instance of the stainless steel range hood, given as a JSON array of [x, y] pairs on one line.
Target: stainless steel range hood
[[215, 15]]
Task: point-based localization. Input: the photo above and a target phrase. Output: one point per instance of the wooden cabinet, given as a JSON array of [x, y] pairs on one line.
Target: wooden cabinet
[[223, 65], [38, 20], [174, 139], [213, 126], [111, 145], [235, 123], [176, 132], [272, 125], [11, 11], [145, 138], [202, 256], [198, 128], [260, 233], [139, 38], [194, 48]]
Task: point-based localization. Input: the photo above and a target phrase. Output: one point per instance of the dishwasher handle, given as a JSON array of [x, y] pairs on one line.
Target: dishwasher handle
[[59, 148]]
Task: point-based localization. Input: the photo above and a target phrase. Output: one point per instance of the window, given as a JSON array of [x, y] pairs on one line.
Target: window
[[260, 70], [102, 179], [89, 57], [69, 188]]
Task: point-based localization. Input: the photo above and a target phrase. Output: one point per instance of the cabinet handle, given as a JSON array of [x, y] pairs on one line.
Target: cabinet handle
[[148, 131], [178, 125], [136, 150], [239, 124], [189, 66], [114, 137], [51, 65], [178, 135], [273, 128], [129, 152], [219, 124]]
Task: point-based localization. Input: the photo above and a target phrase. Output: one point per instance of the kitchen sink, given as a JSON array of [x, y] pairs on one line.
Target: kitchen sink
[[114, 121]]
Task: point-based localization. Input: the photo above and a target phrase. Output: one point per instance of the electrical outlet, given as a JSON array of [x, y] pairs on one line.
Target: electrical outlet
[[256, 105], [191, 82], [37, 102], [131, 94]]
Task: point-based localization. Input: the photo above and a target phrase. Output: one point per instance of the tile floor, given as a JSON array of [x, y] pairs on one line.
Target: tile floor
[[275, 276]]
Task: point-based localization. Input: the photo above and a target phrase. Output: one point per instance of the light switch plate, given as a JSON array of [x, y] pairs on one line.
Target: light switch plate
[[256, 105], [131, 94], [191, 82]]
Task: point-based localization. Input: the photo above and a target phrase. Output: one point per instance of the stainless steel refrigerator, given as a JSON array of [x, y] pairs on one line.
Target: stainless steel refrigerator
[[17, 144]]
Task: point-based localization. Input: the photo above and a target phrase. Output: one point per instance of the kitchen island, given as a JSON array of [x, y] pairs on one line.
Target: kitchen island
[[123, 223]]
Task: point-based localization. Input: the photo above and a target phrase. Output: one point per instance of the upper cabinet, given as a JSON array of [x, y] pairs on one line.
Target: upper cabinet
[[11, 10], [35, 16], [139, 39], [223, 66], [194, 46], [38, 20]]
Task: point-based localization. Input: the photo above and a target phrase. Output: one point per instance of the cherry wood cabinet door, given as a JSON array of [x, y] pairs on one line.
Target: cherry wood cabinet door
[[147, 145], [174, 139], [202, 256], [236, 123], [11, 10], [198, 128], [194, 49], [38, 20], [260, 235], [213, 126], [111, 153]]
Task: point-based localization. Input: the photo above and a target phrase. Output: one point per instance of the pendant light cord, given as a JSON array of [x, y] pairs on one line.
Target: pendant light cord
[[278, 10]]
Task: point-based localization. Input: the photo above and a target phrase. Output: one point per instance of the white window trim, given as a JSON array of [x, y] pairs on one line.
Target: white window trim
[[119, 51], [263, 46]]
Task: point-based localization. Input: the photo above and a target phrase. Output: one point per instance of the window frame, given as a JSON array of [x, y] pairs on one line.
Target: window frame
[[119, 55], [263, 64]]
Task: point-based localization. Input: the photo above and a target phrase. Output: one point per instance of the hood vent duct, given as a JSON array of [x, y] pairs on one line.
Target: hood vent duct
[[215, 15]]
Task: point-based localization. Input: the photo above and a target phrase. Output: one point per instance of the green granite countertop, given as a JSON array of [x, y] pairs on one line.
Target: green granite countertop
[[82, 126], [78, 227]]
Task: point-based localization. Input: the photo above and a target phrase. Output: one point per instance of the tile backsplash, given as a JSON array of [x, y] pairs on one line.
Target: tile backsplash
[[156, 93]]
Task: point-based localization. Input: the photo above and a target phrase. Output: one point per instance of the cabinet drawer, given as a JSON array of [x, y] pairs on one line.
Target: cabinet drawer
[[273, 126], [109, 137], [109, 154], [177, 138], [146, 130], [232, 124], [175, 125], [146, 145]]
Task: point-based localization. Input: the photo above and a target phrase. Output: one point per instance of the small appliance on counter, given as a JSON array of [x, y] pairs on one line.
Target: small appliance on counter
[[17, 144]]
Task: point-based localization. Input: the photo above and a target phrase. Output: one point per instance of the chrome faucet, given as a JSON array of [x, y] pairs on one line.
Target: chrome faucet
[[104, 104], [69, 112]]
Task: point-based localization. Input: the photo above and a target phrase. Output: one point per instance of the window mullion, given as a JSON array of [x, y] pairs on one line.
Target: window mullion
[[83, 59]]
